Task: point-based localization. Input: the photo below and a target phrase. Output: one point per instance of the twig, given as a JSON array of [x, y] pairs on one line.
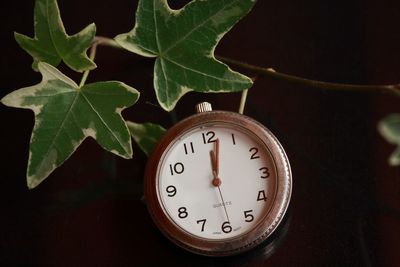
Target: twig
[[98, 40], [268, 72]]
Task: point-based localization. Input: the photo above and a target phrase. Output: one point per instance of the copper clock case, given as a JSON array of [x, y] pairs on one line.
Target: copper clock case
[[238, 244]]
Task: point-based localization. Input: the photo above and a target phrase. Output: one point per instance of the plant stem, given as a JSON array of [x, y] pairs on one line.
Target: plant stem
[[174, 117], [98, 40], [243, 101], [92, 55], [268, 72]]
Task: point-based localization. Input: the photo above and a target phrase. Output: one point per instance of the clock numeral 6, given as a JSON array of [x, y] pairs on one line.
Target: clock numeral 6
[[210, 135], [261, 196], [171, 190], [226, 227], [248, 216], [182, 212], [177, 168], [203, 222], [265, 172]]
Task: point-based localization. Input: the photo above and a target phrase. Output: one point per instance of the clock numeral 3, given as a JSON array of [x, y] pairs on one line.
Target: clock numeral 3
[[203, 222], [171, 190], [209, 137], [226, 227], [182, 213], [265, 172], [261, 196], [254, 150], [248, 216], [177, 168]]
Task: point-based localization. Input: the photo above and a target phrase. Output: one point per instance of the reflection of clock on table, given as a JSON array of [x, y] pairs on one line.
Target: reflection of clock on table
[[218, 183]]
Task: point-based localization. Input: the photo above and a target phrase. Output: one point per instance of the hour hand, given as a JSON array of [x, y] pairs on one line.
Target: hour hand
[[214, 155]]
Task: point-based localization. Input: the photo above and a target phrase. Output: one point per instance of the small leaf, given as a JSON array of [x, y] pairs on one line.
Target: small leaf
[[394, 158], [51, 43], [389, 128], [66, 114], [184, 42], [146, 135]]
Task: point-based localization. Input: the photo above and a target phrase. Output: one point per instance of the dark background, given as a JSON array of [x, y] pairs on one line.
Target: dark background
[[345, 208]]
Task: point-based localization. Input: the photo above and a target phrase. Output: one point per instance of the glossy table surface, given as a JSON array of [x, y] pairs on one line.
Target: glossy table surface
[[345, 207]]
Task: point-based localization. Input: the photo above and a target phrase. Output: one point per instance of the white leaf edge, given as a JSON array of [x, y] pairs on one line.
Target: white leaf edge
[[49, 72], [121, 39]]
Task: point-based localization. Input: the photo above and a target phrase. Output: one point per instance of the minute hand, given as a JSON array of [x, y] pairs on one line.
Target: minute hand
[[217, 181]]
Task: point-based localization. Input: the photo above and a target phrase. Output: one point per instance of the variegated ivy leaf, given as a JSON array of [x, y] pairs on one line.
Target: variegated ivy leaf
[[146, 135], [66, 114], [389, 127], [184, 41], [51, 43]]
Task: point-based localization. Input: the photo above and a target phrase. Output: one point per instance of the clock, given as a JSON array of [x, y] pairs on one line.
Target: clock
[[218, 183]]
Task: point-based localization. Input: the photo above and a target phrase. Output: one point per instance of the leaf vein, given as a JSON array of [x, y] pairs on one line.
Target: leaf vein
[[203, 73], [60, 128], [198, 26], [105, 124]]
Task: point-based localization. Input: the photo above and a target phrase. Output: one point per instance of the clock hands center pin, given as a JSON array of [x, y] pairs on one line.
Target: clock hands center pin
[[214, 154]]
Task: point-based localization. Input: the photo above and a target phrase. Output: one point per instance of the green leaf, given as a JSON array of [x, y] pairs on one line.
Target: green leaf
[[394, 158], [51, 43], [146, 135], [66, 114], [184, 42], [389, 128]]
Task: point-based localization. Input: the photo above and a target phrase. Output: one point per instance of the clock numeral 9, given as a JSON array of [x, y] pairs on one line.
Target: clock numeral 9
[[182, 213], [210, 135], [171, 190], [203, 222], [254, 150], [265, 172], [226, 227], [248, 216], [178, 168]]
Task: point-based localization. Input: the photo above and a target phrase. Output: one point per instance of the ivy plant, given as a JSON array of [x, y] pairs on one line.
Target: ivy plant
[[389, 127], [182, 42], [51, 43]]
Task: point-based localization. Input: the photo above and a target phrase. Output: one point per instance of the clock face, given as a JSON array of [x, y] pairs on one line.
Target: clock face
[[216, 181]]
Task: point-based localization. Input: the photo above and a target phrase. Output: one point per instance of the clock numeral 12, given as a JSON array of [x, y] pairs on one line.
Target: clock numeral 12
[[210, 135]]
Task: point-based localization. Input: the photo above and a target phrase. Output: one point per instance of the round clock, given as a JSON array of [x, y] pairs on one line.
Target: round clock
[[218, 183]]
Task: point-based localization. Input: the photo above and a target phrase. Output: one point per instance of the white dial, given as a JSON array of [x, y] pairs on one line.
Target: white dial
[[217, 181]]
